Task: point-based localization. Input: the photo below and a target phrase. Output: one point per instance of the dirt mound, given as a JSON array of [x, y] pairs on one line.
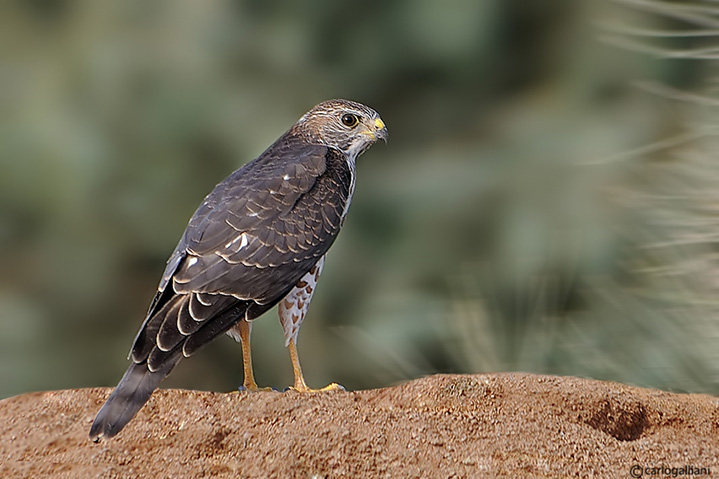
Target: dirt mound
[[495, 425]]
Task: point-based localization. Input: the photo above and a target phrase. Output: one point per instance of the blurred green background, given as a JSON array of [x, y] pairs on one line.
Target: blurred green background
[[547, 201]]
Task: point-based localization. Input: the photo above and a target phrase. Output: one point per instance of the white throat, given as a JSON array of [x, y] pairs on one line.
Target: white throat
[[351, 158]]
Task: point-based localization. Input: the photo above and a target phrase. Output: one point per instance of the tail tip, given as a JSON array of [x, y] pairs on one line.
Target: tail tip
[[99, 430], [109, 421]]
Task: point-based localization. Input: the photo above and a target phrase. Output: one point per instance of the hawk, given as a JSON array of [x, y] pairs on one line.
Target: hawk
[[257, 240]]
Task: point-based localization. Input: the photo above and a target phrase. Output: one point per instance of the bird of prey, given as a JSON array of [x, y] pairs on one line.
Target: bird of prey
[[257, 240]]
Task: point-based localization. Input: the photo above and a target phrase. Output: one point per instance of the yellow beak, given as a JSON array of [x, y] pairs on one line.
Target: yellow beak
[[380, 130]]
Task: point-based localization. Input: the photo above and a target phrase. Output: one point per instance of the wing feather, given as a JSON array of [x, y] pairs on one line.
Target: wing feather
[[250, 241], [265, 225]]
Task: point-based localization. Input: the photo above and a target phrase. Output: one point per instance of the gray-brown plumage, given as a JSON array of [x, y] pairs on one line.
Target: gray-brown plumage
[[257, 239]]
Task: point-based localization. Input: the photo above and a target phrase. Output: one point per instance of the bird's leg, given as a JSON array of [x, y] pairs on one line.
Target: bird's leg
[[292, 311], [300, 385], [249, 384]]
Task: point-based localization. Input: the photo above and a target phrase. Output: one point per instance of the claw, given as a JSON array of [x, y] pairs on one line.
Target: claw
[[304, 389], [256, 389], [300, 385]]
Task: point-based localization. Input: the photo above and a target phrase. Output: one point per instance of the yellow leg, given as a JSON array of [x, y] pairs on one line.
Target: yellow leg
[[249, 383], [300, 385]]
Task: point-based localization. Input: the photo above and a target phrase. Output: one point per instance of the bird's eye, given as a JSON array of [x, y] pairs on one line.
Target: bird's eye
[[349, 120]]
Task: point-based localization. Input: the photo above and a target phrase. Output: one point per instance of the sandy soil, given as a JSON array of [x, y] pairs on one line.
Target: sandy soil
[[495, 425]]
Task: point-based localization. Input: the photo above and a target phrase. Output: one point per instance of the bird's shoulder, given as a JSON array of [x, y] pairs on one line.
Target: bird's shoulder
[[262, 189], [266, 223]]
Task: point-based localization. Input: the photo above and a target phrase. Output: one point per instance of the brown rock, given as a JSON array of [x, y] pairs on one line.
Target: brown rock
[[494, 425]]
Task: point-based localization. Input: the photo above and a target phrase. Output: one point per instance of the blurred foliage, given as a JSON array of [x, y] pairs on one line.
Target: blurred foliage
[[547, 201]]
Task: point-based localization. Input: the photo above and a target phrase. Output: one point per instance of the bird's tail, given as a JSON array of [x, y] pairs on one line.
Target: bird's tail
[[133, 391], [151, 363]]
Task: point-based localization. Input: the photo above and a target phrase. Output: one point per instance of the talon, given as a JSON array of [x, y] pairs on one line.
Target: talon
[[255, 389], [300, 386], [331, 387], [305, 389]]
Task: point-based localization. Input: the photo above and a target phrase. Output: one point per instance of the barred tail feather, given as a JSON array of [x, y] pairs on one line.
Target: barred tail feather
[[133, 391], [158, 348]]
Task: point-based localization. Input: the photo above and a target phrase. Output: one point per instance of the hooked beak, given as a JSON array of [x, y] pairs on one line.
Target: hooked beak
[[380, 130]]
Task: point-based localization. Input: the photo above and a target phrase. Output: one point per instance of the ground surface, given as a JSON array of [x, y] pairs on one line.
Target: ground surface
[[498, 425]]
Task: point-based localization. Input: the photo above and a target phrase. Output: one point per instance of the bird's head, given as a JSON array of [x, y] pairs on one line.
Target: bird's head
[[343, 124]]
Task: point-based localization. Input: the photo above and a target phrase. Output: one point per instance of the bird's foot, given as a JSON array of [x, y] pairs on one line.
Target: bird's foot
[[254, 388], [302, 388]]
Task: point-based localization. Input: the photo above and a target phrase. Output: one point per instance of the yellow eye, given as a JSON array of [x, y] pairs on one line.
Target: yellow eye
[[349, 120]]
